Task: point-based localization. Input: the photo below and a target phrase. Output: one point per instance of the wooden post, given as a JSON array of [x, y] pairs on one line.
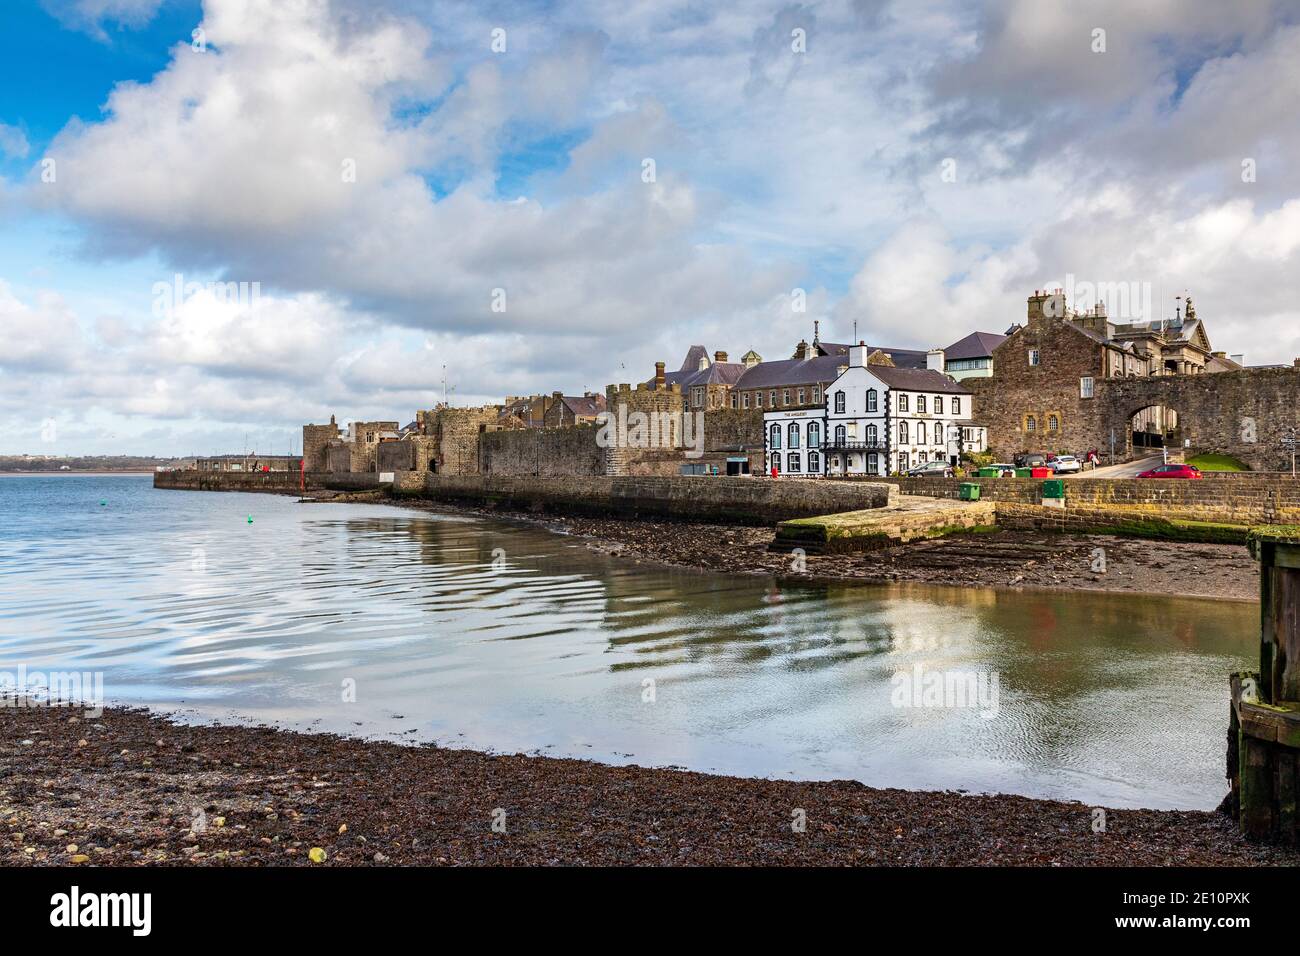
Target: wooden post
[[1266, 706]]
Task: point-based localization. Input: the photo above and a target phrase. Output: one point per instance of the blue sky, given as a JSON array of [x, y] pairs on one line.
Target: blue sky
[[917, 168]]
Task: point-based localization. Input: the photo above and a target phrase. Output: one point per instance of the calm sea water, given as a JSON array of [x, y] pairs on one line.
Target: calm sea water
[[482, 633]]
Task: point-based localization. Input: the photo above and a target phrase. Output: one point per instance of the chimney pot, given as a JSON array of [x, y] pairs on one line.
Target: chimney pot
[[659, 374]]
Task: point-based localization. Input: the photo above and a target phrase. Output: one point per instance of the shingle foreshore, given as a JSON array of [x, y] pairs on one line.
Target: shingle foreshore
[[133, 788]]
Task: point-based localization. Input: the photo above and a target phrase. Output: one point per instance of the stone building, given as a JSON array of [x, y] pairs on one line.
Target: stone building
[[1048, 372], [453, 437], [704, 383], [363, 439], [569, 410], [1180, 347], [315, 444], [655, 447]]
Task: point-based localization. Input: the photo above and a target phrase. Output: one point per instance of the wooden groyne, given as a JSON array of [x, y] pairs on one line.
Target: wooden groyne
[[1264, 731]]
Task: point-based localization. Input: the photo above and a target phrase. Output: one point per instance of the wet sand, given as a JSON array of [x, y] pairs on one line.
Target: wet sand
[[133, 789]]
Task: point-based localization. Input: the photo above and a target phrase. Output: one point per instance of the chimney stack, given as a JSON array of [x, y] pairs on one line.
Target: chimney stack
[[934, 360], [719, 356], [659, 374]]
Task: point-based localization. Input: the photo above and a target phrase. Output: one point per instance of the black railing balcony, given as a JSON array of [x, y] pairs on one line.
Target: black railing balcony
[[852, 445]]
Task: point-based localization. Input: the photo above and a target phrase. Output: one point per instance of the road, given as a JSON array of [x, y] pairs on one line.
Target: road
[[1129, 469]]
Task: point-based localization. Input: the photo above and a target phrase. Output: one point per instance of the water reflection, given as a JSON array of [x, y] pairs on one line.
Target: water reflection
[[497, 635]]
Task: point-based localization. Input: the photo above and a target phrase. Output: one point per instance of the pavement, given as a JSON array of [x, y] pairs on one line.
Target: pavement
[[1130, 469]]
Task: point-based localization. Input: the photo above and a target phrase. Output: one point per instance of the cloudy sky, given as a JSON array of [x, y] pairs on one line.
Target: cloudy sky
[[552, 196]]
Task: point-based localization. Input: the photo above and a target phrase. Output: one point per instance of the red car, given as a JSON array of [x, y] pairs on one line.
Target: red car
[[1172, 471]]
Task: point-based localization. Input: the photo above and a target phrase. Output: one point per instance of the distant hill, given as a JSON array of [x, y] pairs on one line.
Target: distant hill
[[68, 463]]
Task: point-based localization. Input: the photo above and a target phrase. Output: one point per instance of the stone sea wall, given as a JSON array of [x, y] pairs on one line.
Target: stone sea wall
[[1241, 498], [735, 500]]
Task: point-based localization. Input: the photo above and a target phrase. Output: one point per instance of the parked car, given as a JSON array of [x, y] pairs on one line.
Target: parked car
[[1066, 465], [1031, 459], [1172, 471], [939, 469]]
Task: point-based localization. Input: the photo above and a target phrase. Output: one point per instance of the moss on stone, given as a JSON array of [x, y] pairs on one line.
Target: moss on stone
[[1173, 529], [1275, 534]]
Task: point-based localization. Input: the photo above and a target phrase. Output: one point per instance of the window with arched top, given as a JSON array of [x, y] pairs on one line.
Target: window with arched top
[[1030, 424], [792, 436], [902, 432], [839, 403], [871, 400], [1053, 423], [776, 436], [938, 433], [814, 439], [872, 435], [839, 435]]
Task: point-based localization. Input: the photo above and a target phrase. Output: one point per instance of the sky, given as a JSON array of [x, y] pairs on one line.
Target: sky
[[222, 219]]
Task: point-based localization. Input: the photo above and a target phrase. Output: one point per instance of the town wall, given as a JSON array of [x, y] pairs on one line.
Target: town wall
[[545, 452]]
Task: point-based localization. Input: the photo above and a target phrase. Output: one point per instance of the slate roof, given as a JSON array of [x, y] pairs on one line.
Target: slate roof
[[975, 345], [584, 405], [917, 380], [902, 358], [693, 355], [822, 368], [716, 373]]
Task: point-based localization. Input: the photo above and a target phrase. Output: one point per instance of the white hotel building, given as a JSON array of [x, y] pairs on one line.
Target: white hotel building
[[876, 419]]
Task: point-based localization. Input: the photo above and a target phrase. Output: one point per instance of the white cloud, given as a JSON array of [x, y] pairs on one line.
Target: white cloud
[[91, 16], [774, 169], [13, 141]]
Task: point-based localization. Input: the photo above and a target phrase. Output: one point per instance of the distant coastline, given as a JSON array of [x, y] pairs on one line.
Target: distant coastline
[[77, 471]]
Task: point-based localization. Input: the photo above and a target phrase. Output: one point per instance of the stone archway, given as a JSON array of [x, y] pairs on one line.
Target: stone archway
[[1151, 428], [1243, 414]]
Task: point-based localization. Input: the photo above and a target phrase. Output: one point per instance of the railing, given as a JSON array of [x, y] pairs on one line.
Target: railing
[[833, 445]]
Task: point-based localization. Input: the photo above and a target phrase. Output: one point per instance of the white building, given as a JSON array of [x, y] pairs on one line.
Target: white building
[[792, 438], [876, 419]]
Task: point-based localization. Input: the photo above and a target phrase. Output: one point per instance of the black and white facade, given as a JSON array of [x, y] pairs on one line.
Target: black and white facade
[[793, 440], [876, 420]]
